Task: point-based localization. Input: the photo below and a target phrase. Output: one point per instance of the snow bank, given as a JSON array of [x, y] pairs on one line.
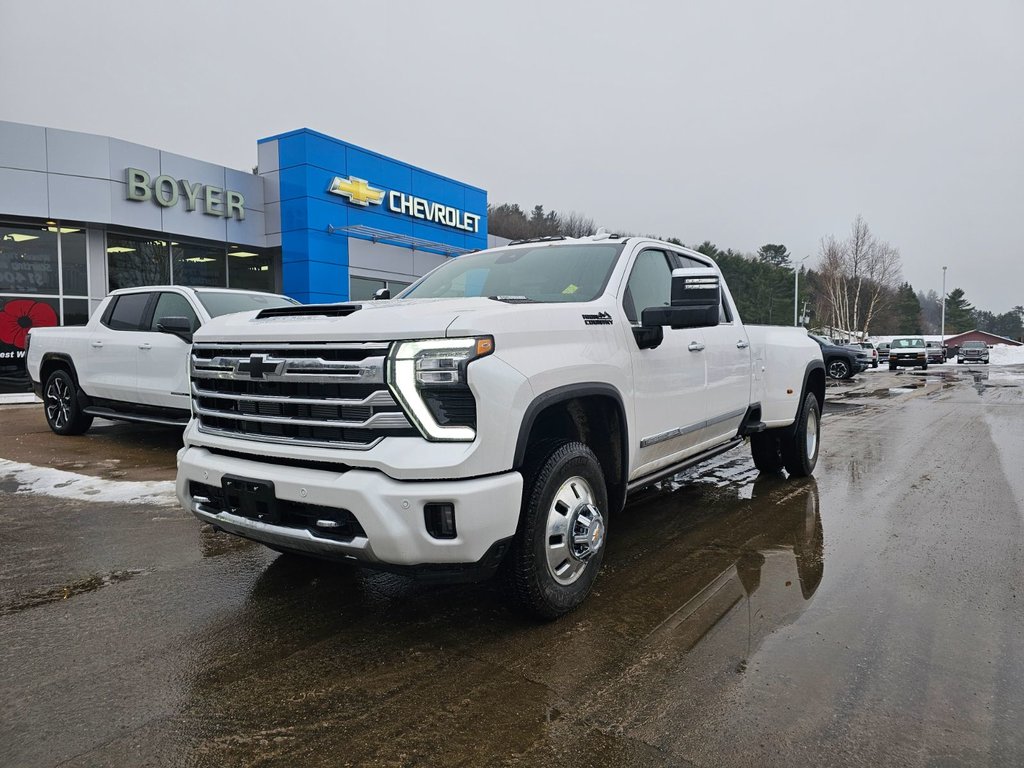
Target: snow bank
[[1004, 354], [69, 485]]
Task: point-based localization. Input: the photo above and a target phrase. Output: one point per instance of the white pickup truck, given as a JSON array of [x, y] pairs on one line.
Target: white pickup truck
[[494, 416], [130, 362]]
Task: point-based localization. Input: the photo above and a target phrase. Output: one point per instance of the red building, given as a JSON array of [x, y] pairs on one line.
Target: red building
[[953, 342]]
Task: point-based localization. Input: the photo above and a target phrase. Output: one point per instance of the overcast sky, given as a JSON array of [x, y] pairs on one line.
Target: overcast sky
[[739, 122]]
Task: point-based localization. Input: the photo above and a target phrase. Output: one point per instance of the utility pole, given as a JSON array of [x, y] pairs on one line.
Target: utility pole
[[796, 288], [943, 331]]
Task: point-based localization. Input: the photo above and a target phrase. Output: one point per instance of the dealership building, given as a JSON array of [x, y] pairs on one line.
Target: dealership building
[[318, 219]]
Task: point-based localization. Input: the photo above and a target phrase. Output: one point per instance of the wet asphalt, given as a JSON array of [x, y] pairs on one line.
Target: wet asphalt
[[869, 616]]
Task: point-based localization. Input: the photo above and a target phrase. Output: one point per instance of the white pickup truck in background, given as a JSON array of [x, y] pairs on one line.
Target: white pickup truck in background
[[130, 362], [495, 415]]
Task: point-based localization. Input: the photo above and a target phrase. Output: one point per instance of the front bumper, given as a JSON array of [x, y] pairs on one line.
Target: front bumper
[[389, 511], [907, 361]]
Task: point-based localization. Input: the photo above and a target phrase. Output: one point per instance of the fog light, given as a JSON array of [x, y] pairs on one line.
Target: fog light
[[440, 520]]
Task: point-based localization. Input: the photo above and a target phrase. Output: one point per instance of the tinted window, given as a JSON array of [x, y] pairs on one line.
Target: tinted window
[[173, 305], [127, 312], [649, 285], [219, 303]]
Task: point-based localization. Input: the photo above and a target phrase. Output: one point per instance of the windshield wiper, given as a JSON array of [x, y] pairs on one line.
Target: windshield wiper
[[513, 299]]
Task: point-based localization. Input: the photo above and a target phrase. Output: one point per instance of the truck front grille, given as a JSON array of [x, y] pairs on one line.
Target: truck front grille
[[329, 394]]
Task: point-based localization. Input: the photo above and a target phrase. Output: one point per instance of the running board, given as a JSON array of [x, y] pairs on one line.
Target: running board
[[675, 469], [109, 413]]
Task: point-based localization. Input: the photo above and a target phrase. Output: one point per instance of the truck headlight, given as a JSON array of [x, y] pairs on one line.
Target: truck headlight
[[429, 380]]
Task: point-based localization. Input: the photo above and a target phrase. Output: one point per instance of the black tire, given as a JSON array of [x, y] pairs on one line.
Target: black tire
[[800, 448], [766, 451], [528, 574], [892, 366], [874, 364], [924, 366], [60, 405], [838, 369], [959, 362]]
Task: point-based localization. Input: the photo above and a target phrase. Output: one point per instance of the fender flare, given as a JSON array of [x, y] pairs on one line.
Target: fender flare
[[570, 392]]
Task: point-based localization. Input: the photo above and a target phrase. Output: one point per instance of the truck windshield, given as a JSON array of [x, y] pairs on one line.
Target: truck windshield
[[219, 303], [908, 344], [550, 273]]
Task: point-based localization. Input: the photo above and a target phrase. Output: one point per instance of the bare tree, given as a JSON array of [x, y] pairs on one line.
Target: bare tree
[[575, 224], [859, 275], [884, 272]]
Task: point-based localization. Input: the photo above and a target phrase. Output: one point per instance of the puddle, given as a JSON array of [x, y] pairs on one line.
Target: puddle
[[67, 591]]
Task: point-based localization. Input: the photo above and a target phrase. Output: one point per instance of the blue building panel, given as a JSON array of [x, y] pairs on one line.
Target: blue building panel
[[392, 193]]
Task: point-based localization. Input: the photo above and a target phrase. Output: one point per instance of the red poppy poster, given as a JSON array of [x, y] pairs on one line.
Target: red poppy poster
[[17, 316]]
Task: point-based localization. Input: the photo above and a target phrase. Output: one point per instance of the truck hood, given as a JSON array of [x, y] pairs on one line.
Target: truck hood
[[389, 320]]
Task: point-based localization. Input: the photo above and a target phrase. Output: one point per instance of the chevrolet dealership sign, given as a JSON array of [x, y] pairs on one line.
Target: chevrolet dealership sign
[[359, 192]]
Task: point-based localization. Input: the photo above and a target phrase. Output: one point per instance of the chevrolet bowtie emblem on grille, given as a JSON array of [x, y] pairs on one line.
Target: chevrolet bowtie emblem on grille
[[257, 366], [358, 191]]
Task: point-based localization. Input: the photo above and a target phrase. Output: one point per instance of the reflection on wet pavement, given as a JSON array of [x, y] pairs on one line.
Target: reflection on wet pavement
[[322, 655]]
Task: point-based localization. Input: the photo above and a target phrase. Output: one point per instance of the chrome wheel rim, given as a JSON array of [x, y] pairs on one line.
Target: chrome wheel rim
[[837, 369], [575, 531], [812, 433], [58, 403]]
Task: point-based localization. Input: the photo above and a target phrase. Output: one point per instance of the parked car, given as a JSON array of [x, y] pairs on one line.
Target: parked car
[[492, 416], [935, 352], [130, 362], [882, 348], [972, 352], [869, 348], [909, 351], [841, 361]]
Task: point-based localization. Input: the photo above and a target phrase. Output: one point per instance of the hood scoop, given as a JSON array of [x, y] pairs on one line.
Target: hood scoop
[[311, 310]]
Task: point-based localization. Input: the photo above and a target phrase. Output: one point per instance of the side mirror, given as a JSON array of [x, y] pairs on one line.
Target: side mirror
[[696, 301], [382, 293], [176, 326]]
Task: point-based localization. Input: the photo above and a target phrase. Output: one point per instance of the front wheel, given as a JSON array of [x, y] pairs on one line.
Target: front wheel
[[838, 369], [60, 404], [800, 449], [559, 545]]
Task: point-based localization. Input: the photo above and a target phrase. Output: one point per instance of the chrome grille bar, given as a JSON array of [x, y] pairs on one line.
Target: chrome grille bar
[[331, 394], [379, 420]]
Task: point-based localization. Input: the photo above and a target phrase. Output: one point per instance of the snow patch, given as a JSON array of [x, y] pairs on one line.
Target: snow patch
[[69, 485]]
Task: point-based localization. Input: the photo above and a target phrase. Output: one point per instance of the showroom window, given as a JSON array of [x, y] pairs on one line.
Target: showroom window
[[363, 288], [198, 265], [135, 261], [252, 269], [43, 282]]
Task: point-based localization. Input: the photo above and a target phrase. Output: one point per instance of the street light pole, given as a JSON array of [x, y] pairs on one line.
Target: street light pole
[[943, 331]]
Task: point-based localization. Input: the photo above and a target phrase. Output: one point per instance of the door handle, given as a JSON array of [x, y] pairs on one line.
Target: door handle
[[742, 344], [145, 345], [695, 346], [97, 344]]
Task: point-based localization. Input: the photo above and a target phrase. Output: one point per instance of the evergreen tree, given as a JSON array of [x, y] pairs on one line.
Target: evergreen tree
[[776, 255], [959, 312], [907, 310]]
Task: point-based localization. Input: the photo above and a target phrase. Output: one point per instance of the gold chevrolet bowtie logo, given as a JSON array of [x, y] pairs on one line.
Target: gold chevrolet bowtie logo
[[356, 190]]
